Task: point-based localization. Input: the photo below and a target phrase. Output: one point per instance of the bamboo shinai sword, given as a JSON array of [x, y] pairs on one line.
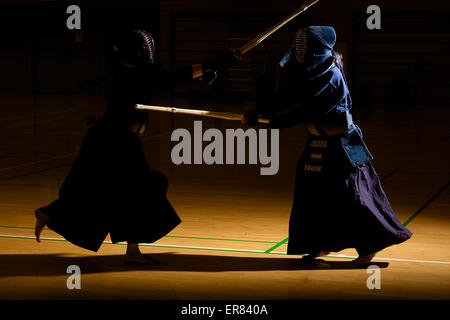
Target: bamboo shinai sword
[[239, 52], [261, 37], [203, 113]]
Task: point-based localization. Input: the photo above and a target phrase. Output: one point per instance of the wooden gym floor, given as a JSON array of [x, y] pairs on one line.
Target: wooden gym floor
[[232, 241]]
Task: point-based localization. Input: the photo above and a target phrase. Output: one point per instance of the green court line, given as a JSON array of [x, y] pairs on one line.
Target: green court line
[[425, 205], [13, 227], [223, 249], [166, 246], [390, 174], [404, 224], [180, 237], [141, 244], [286, 240], [277, 245]]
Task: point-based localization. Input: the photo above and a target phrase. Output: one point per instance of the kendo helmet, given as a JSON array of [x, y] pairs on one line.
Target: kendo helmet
[[133, 71], [312, 47], [134, 48]]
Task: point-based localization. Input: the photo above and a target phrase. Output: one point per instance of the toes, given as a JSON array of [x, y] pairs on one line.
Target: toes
[[364, 260], [41, 222], [323, 253]]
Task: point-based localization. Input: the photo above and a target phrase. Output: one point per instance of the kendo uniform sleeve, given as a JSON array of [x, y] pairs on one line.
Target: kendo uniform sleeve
[[317, 99], [172, 78]]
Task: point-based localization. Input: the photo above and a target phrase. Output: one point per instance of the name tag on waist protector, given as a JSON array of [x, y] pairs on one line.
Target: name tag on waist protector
[[355, 149]]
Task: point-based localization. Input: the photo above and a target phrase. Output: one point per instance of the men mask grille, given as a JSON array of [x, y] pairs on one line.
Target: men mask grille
[[300, 45], [149, 43]]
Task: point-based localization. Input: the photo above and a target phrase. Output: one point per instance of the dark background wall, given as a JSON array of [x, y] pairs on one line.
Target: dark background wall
[[38, 50], [406, 61], [51, 78]]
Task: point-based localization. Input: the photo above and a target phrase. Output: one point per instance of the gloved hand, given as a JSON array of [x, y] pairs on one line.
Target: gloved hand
[[222, 60], [209, 77], [250, 118]]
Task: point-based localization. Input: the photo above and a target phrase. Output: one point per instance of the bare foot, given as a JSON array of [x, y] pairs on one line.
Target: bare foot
[[311, 261], [41, 221], [314, 255], [314, 264], [140, 259], [320, 264], [364, 260]]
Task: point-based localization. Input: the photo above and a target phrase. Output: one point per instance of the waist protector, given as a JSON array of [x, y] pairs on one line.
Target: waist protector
[[355, 148]]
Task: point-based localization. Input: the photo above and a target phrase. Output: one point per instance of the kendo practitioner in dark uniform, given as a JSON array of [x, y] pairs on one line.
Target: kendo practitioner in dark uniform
[[110, 188], [338, 202]]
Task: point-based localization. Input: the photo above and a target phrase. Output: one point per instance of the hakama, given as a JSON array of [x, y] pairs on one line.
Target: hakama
[[337, 204], [341, 206], [111, 189]]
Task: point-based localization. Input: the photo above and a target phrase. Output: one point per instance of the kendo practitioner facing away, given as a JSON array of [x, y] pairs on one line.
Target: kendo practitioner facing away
[[338, 202], [110, 188]]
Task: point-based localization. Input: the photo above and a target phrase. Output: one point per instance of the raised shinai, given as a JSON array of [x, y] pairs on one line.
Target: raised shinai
[[339, 202]]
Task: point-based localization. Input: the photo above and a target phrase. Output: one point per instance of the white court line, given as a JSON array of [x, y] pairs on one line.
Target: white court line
[[377, 258], [27, 164], [141, 244], [232, 250]]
